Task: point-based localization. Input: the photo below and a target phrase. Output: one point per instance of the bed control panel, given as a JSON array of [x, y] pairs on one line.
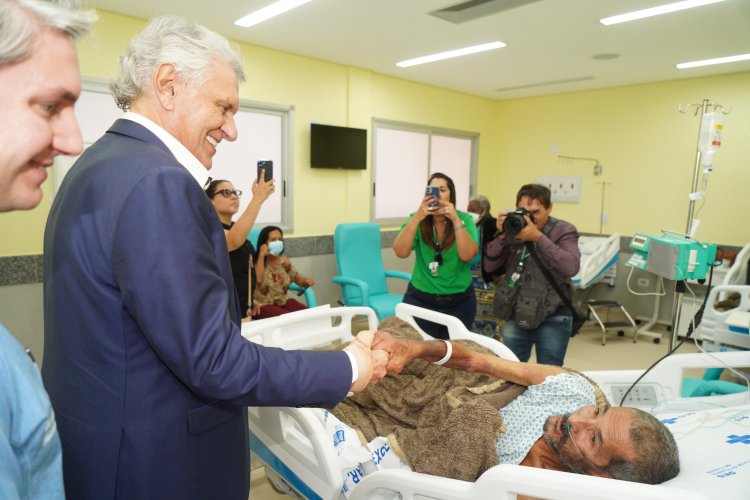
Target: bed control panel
[[641, 395]]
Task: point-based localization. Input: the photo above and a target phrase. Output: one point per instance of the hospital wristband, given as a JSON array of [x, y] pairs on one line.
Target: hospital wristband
[[448, 354]]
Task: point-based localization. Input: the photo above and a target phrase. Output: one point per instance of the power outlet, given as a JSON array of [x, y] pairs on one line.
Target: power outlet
[[644, 282], [563, 188], [641, 395]]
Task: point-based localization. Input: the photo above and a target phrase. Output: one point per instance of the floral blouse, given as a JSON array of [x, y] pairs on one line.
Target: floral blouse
[[276, 280]]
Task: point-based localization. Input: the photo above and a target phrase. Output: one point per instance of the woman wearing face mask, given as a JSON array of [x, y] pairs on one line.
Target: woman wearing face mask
[[275, 273], [479, 210], [445, 241]]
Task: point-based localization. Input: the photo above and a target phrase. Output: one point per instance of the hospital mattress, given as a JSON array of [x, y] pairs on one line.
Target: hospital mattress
[[713, 433]]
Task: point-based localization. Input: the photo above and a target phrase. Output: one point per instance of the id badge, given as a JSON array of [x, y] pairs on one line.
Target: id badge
[[433, 268]]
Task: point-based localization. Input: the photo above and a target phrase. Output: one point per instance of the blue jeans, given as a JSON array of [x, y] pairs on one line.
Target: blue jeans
[[551, 339], [461, 305]]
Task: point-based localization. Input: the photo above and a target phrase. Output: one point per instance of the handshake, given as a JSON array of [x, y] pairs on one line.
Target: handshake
[[378, 353]]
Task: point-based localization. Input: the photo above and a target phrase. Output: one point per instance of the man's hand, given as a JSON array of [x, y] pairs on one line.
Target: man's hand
[[400, 351], [530, 232], [371, 364]]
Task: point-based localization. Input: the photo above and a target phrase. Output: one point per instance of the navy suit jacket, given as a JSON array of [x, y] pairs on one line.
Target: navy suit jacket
[[144, 363]]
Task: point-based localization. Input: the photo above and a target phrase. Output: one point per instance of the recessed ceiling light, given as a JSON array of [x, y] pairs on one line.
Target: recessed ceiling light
[[656, 11], [718, 60], [450, 54], [268, 12]]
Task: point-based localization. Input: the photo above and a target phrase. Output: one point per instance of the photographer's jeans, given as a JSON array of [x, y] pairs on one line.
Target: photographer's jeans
[[551, 339]]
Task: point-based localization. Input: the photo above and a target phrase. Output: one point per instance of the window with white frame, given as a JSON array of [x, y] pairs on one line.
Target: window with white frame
[[404, 158], [263, 132]]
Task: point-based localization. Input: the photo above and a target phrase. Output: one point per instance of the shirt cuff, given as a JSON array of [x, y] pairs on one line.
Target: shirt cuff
[[355, 369]]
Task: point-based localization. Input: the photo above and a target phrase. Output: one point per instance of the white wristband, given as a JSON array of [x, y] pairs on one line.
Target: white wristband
[[447, 356]]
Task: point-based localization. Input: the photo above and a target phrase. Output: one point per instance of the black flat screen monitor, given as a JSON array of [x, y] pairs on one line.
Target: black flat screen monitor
[[338, 147]]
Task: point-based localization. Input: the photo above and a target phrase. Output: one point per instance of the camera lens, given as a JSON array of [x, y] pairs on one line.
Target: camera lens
[[514, 222]]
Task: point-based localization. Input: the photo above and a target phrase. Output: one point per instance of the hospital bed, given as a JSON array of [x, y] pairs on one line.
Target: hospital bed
[[599, 255], [294, 448]]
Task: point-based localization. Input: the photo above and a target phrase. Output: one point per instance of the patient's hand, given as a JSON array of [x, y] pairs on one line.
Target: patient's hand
[[399, 350]]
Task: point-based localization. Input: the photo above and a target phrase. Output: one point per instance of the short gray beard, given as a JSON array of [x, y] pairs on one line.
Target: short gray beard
[[555, 449]]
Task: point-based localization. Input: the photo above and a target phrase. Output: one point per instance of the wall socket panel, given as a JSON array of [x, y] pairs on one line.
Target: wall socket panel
[[641, 395], [564, 188]]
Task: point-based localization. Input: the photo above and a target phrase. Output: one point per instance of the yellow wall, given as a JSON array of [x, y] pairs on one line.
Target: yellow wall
[[645, 145], [647, 150]]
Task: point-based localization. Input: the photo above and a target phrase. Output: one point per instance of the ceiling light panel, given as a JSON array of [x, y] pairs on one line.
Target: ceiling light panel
[[268, 12], [710, 62], [450, 54], [656, 11]]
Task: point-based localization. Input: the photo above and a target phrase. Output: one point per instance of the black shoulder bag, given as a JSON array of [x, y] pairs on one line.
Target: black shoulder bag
[[578, 318]]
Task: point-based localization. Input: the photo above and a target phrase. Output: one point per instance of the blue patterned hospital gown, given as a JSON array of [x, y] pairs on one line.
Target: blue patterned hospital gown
[[525, 416]]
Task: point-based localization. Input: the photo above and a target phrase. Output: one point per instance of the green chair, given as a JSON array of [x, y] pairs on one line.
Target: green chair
[[709, 385], [308, 292], [362, 276]]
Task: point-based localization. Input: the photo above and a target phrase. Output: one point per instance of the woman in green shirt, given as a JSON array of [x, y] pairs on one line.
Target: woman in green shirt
[[444, 241]]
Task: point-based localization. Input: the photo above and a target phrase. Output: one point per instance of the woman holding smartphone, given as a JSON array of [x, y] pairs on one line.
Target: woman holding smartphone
[[226, 201], [445, 241]]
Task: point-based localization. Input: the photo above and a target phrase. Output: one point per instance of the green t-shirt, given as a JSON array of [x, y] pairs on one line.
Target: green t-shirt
[[454, 275]]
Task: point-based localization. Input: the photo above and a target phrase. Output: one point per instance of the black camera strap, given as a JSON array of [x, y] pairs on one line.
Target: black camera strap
[[531, 248]]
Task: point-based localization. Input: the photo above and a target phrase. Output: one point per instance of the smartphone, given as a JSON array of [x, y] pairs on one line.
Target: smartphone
[[433, 191], [266, 165]]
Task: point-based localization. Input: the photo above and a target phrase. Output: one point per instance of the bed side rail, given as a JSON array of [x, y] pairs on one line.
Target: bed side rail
[[505, 481], [308, 328], [666, 381], [456, 329]]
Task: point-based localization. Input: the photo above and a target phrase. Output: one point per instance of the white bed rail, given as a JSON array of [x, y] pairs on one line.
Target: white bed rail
[[456, 329], [665, 379], [714, 325], [307, 328], [506, 481]]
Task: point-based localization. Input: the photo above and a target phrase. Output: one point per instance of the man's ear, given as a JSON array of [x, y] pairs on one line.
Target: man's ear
[[550, 207], [165, 80]]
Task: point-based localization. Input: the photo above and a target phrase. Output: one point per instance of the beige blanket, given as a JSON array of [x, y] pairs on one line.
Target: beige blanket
[[440, 421]]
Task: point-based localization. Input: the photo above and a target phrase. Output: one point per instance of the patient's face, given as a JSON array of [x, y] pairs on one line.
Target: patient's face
[[588, 440]]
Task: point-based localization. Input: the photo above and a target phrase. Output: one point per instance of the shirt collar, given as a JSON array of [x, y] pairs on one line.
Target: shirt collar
[[180, 152]]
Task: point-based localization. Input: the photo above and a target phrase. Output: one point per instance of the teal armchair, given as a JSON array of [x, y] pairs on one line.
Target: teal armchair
[[362, 276], [309, 293]]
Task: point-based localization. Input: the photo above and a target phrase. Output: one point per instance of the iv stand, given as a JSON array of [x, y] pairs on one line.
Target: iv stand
[[703, 108]]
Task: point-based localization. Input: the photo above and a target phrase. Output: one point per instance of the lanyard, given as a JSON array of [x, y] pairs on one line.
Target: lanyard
[[513, 280]]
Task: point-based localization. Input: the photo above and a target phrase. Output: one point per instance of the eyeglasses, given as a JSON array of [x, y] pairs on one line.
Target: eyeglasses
[[227, 193], [438, 258]]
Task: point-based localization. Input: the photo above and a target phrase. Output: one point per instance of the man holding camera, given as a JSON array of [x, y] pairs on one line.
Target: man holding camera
[[535, 314]]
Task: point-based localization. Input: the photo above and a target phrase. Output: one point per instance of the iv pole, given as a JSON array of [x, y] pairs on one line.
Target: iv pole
[[680, 287]]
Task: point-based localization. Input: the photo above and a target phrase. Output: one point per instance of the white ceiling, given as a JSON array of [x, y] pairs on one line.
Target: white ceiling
[[550, 43]]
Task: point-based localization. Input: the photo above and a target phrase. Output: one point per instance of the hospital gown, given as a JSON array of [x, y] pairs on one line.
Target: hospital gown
[[524, 417]]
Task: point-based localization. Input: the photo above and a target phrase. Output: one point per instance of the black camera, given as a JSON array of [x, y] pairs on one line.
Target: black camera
[[514, 221]]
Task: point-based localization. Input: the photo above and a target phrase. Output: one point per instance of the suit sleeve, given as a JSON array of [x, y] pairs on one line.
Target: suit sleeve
[[168, 270]]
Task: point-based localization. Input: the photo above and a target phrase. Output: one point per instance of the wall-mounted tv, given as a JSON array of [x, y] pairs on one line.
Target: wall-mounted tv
[[338, 147]]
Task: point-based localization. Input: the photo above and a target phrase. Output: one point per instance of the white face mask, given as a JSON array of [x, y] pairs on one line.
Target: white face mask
[[475, 217], [276, 247]]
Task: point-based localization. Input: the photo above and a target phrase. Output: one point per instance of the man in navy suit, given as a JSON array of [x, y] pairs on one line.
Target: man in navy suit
[[144, 362]]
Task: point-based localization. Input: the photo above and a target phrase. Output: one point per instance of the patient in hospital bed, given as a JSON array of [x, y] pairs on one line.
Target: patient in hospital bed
[[488, 410]]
